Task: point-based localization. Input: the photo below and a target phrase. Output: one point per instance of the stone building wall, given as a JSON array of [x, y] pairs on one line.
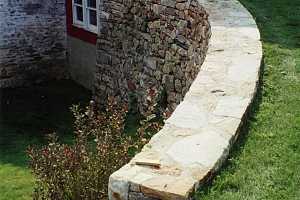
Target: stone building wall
[[32, 41], [150, 44]]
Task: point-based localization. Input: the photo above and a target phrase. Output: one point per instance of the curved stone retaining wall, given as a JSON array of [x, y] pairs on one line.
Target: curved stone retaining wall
[[196, 139], [145, 44]]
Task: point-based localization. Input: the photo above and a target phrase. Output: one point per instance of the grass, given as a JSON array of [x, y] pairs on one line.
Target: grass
[[265, 163], [27, 114]]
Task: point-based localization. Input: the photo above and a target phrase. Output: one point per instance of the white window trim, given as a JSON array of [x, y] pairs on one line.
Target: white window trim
[[86, 21]]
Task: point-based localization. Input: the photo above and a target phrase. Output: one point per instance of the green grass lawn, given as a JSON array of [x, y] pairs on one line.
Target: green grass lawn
[[26, 115], [265, 163]]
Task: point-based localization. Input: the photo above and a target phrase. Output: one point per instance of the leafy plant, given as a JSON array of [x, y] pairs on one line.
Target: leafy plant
[[81, 170]]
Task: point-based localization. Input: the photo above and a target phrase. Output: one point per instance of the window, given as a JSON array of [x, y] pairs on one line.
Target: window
[[85, 14]]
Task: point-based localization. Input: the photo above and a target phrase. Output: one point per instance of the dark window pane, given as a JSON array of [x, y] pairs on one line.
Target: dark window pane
[[79, 12], [92, 3], [93, 17], [78, 1]]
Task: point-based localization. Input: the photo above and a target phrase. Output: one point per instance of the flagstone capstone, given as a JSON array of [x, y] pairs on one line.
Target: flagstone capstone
[[196, 140]]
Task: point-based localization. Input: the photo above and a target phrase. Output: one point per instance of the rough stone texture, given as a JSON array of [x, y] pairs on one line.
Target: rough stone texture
[[32, 41], [196, 139], [143, 44]]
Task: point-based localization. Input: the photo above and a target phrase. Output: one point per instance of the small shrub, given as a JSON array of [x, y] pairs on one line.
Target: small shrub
[[81, 171]]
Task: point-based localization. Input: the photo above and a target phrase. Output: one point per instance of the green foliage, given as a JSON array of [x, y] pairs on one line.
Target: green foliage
[[26, 115], [81, 170]]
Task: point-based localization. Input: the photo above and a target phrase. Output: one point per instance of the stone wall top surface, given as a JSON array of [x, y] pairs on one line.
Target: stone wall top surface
[[196, 139]]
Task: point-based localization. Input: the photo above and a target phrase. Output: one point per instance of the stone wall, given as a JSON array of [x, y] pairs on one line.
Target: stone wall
[[32, 41], [196, 140], [144, 44]]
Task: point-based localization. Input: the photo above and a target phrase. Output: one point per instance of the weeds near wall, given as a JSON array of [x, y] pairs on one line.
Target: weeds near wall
[[81, 171]]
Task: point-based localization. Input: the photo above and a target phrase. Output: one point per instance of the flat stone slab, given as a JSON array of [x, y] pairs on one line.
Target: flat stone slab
[[198, 149], [196, 139]]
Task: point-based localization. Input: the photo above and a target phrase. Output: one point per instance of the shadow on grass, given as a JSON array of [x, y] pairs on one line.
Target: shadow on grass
[[28, 114]]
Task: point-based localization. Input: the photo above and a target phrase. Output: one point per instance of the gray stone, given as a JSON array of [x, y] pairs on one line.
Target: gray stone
[[150, 62], [33, 41], [202, 148]]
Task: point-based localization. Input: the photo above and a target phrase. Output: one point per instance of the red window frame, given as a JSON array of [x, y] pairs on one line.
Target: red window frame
[[75, 31]]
